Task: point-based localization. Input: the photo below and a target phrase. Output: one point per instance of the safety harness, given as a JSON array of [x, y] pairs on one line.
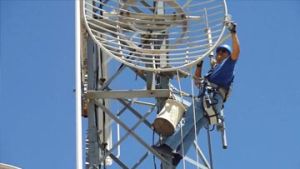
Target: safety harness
[[209, 90]]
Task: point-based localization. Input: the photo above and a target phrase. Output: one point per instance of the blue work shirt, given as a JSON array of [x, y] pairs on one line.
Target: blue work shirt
[[222, 74]]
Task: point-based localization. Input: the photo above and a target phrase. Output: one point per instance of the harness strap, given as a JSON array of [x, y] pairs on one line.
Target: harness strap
[[209, 91], [220, 90], [208, 105]]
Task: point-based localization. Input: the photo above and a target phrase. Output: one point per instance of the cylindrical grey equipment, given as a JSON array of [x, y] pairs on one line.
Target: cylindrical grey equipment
[[168, 118]]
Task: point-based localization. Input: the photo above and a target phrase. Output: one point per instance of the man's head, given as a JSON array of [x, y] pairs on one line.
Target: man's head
[[223, 52]]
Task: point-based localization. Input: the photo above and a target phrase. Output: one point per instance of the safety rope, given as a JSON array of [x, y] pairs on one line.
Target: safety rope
[[194, 115], [209, 148], [154, 159], [181, 123]]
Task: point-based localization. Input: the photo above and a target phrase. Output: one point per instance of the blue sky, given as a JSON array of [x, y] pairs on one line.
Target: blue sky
[[37, 122]]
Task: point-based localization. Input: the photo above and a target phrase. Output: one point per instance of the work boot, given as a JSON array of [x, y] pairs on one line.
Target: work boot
[[164, 150], [176, 159]]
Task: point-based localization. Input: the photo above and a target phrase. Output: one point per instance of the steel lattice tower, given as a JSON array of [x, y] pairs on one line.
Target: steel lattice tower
[[154, 40]]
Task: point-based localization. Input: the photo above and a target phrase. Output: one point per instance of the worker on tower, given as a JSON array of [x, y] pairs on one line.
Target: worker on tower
[[220, 78]]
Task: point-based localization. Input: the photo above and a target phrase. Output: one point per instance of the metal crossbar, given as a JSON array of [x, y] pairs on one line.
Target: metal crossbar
[[128, 133], [114, 94], [193, 162], [136, 113], [201, 155], [136, 165], [119, 162], [136, 136]]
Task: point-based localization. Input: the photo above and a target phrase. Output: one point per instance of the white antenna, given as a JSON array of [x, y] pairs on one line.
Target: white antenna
[[126, 29], [154, 39]]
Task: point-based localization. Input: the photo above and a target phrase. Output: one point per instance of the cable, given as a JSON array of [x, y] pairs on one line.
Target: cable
[[181, 132], [194, 116], [209, 148], [212, 129], [154, 159]]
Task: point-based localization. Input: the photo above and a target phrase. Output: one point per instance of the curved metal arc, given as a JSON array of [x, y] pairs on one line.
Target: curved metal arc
[[109, 24], [155, 34], [151, 51], [192, 63], [148, 17], [152, 8], [157, 52]]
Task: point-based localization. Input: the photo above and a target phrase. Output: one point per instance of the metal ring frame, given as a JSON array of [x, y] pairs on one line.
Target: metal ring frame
[[133, 33]]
